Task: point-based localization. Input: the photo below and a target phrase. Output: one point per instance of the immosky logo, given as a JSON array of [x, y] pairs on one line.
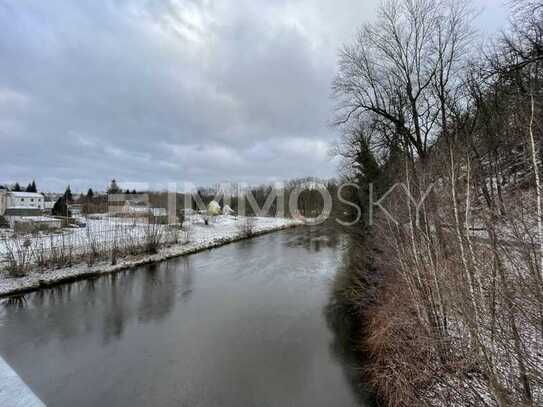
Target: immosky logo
[[275, 202]]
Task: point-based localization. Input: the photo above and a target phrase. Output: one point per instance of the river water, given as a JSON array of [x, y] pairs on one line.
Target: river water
[[247, 324]]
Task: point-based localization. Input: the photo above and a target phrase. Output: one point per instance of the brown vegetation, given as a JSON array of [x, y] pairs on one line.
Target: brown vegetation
[[109, 241]]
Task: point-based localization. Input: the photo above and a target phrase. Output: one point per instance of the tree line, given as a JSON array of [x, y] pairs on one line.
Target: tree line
[[31, 187]]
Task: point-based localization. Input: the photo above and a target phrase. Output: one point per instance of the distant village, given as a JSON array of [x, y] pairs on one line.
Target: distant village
[[27, 210]]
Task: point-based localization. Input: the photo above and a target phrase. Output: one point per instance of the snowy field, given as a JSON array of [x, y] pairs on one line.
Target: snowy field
[[195, 236]]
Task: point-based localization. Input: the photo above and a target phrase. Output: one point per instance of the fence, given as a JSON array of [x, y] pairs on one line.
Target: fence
[[99, 240]]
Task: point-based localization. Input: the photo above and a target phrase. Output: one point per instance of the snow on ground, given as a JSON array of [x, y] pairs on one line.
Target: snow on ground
[[13, 391], [221, 230], [104, 230]]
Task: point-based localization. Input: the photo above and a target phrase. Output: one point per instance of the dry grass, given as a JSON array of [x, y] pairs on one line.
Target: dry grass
[[113, 243]]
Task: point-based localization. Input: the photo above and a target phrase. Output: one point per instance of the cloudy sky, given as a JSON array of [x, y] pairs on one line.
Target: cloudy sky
[[159, 91]]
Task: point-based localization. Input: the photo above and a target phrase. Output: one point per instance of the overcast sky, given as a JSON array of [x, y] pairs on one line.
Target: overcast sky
[[160, 91]]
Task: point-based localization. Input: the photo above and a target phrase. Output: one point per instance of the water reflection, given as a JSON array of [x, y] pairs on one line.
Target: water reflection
[[345, 348], [315, 238], [158, 293], [104, 304], [17, 301], [187, 278]]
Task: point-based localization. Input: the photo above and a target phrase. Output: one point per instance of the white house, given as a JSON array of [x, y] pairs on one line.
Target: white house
[[21, 203]]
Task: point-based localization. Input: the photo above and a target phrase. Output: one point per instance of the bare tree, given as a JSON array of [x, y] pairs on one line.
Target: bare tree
[[403, 70]]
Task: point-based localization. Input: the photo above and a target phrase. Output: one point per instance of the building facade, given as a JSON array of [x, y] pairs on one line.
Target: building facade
[[21, 203]]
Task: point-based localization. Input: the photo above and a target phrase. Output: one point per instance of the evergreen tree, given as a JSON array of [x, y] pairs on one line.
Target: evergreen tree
[[127, 192], [61, 207], [31, 187], [68, 195], [134, 192], [90, 194], [113, 188], [17, 187]]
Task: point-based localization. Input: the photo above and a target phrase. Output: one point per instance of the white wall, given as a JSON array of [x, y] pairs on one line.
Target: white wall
[[30, 202], [3, 202]]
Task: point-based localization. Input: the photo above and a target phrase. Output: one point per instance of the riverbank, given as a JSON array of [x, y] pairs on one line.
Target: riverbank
[[412, 362], [202, 237]]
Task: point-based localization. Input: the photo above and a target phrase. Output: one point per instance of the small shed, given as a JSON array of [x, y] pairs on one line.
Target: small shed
[[75, 209]]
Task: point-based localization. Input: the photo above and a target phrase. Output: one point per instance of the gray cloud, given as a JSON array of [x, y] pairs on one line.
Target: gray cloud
[[169, 91]]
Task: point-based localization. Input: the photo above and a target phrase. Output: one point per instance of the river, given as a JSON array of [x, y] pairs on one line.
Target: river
[[246, 324]]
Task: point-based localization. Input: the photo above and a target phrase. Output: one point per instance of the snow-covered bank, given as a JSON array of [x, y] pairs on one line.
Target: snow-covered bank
[[223, 230]]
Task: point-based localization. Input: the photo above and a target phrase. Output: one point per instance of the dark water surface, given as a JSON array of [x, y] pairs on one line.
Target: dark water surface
[[247, 324]]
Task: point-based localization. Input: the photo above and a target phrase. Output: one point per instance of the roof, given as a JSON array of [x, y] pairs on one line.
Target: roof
[[25, 194]]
